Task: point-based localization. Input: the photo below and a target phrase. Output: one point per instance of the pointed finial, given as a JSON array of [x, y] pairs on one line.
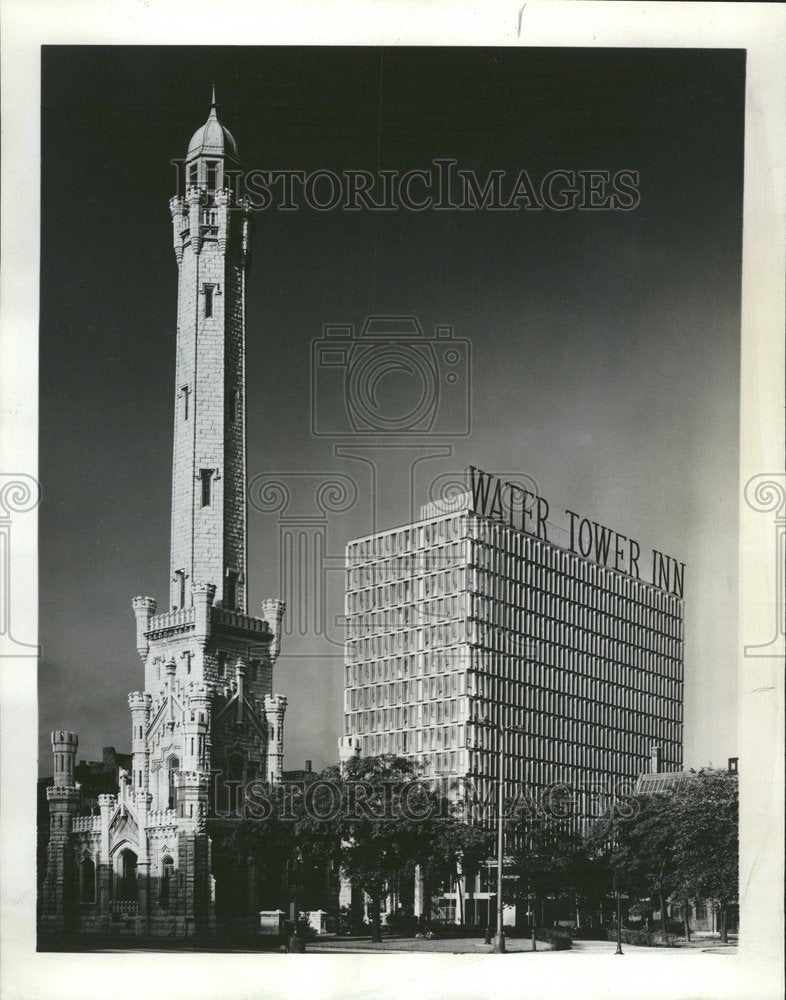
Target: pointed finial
[[213, 100]]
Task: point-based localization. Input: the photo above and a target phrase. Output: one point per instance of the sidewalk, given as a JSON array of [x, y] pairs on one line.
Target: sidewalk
[[454, 946]]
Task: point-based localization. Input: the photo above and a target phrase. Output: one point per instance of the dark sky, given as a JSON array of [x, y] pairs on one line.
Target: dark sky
[[604, 345]]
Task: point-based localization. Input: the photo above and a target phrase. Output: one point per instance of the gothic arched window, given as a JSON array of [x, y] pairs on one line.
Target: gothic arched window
[[172, 768], [167, 872]]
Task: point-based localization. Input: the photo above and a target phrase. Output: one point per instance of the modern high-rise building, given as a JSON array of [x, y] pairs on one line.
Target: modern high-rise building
[[152, 860], [463, 629]]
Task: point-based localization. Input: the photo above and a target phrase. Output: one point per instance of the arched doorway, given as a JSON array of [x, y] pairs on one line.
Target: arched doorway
[[87, 880]]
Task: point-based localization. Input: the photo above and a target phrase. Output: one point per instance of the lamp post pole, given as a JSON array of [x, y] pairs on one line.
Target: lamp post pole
[[499, 940], [617, 887]]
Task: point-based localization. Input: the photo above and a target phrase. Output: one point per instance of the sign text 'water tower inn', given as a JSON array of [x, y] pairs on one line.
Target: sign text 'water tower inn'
[[516, 506]]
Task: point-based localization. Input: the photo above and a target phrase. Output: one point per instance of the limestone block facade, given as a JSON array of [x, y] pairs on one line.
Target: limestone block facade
[[154, 859]]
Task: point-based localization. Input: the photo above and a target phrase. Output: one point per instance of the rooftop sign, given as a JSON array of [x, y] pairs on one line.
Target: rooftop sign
[[517, 507]]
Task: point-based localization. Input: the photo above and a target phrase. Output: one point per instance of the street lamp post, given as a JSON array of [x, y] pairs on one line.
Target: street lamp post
[[617, 894], [499, 940]]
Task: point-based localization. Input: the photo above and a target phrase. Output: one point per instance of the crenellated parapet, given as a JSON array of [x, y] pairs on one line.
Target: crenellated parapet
[[192, 780], [140, 703], [63, 793], [86, 824], [158, 818], [202, 691]]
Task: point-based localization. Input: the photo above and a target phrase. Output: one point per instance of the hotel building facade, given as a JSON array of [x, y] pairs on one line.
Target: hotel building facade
[[460, 626]]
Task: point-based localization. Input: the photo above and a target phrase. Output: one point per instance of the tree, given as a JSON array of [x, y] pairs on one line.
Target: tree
[[269, 840], [455, 850], [641, 850], [374, 818], [707, 844], [680, 843], [553, 862]]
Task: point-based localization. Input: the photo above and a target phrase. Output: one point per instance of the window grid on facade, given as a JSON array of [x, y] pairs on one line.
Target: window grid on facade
[[585, 659]]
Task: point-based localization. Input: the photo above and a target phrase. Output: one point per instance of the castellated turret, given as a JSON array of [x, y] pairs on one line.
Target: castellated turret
[[144, 609], [273, 614], [63, 794], [64, 747], [275, 707]]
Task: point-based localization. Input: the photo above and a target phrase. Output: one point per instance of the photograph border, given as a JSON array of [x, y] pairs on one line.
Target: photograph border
[[759, 28]]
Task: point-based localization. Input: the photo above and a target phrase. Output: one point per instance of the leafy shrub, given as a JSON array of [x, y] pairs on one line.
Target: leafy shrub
[[675, 927], [403, 923], [646, 939], [557, 937], [588, 933], [304, 928], [350, 922]]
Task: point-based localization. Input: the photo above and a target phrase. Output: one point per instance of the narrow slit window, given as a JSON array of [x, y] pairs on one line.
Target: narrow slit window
[[172, 769], [234, 405], [206, 477], [184, 393], [212, 174], [167, 871], [193, 175], [208, 301], [231, 591], [180, 581]]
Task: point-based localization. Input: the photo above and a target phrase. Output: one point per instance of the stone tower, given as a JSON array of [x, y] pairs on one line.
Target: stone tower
[[207, 722], [211, 237]]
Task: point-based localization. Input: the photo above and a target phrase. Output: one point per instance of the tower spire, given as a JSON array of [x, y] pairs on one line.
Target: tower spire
[[213, 98]]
